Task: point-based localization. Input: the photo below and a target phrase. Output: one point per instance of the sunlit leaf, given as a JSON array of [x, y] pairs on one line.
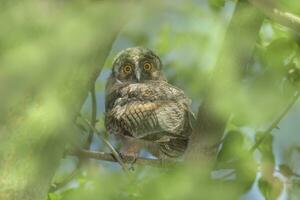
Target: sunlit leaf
[[233, 154], [286, 170], [53, 196], [270, 189], [216, 4], [232, 147], [266, 146]]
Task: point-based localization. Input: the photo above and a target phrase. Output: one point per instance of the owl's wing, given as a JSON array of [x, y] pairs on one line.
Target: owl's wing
[[153, 91], [113, 92], [152, 111], [136, 119], [152, 118]]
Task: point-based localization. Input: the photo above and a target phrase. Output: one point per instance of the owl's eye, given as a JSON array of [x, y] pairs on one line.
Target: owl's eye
[[147, 66], [127, 69]]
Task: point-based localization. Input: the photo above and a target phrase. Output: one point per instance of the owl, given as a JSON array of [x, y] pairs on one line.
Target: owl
[[143, 109]]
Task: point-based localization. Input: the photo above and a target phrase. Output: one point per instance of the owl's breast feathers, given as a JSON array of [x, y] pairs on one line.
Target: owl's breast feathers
[[153, 111]]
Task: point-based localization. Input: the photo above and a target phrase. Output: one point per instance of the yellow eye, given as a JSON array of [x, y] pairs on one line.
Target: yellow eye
[[127, 69], [147, 66]]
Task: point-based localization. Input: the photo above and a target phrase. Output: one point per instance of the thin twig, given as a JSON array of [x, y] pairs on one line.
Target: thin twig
[[114, 152], [271, 10], [70, 177], [93, 117], [293, 173], [276, 121], [81, 153], [56, 186]]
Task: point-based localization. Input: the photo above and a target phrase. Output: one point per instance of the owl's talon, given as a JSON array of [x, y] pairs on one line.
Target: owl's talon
[[131, 159], [132, 163]]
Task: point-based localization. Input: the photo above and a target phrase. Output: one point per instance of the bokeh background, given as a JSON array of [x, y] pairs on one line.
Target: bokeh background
[[188, 35]]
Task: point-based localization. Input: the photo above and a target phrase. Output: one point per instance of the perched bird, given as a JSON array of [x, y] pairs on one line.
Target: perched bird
[[143, 109]]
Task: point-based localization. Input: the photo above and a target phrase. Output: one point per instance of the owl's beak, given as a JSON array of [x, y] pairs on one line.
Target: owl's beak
[[138, 74]]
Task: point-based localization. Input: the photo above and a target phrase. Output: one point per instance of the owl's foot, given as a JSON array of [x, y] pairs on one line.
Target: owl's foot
[[130, 159], [130, 153], [132, 162]]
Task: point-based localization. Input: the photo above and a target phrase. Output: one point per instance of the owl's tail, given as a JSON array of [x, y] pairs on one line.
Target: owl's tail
[[174, 148]]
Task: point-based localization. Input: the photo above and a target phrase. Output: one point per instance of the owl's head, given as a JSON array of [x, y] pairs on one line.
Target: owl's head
[[137, 64]]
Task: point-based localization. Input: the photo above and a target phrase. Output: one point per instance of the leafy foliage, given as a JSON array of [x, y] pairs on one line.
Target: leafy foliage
[[188, 35]]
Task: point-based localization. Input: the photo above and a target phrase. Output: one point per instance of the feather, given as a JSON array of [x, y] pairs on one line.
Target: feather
[[148, 110]]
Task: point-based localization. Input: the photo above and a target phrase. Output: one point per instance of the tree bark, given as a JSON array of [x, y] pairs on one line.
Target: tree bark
[[234, 57], [51, 56]]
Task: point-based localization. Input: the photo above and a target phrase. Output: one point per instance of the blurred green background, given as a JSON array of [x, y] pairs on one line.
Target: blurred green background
[[40, 40]]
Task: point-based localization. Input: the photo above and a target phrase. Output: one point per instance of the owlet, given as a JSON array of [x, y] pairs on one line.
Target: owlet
[[143, 109]]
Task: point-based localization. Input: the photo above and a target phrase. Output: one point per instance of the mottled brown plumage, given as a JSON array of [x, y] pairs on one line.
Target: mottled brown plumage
[[145, 110]]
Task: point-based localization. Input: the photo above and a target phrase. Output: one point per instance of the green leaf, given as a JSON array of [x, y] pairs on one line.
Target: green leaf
[[293, 73], [53, 196], [278, 51], [270, 189], [231, 147], [266, 146], [286, 170], [234, 155], [216, 4]]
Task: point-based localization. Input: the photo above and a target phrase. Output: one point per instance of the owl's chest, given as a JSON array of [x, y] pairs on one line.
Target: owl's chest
[[150, 91], [146, 112]]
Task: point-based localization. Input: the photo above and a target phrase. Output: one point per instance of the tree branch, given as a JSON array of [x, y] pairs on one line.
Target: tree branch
[[68, 178], [271, 10], [107, 143], [33, 128], [81, 153], [233, 59], [93, 116], [276, 121]]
